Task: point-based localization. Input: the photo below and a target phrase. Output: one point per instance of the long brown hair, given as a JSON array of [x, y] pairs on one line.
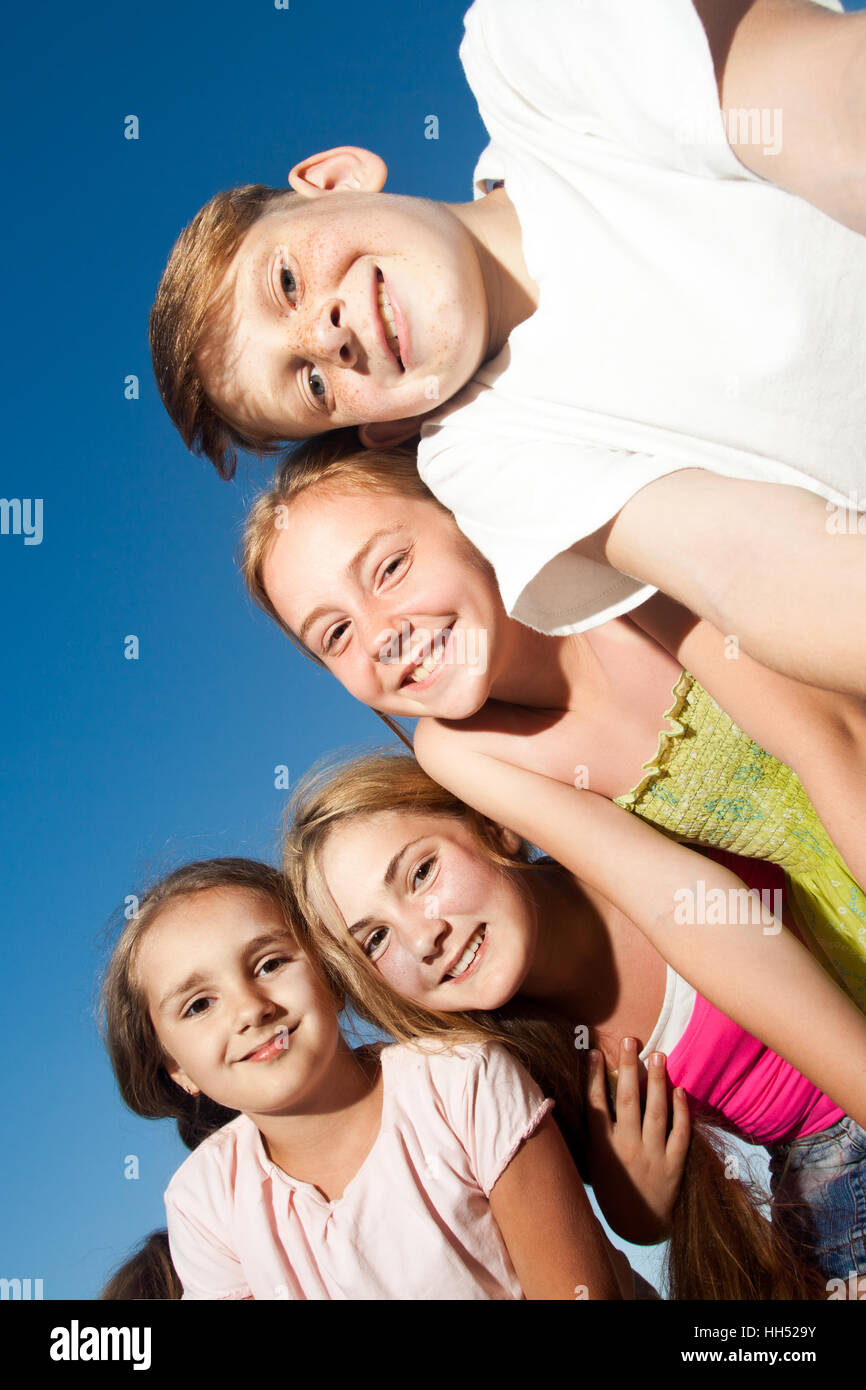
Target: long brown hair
[[148, 1274], [137, 1056], [720, 1244]]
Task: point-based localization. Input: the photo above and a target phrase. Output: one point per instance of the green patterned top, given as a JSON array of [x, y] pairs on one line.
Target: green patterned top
[[710, 784]]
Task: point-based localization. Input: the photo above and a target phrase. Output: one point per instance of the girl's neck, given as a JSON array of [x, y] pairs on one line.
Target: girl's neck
[[543, 672], [327, 1143], [592, 965], [572, 971]]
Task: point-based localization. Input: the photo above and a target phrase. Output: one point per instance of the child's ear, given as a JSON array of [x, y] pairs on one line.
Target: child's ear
[[386, 434], [341, 168], [180, 1078]]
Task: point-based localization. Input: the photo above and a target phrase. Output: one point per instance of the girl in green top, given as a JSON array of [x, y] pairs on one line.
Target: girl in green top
[[370, 575]]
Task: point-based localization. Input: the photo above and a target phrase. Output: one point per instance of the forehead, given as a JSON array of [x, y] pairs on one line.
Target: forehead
[[321, 533], [193, 923], [358, 853]]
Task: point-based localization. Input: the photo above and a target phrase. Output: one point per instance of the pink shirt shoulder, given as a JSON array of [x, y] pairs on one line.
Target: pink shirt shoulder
[[413, 1223]]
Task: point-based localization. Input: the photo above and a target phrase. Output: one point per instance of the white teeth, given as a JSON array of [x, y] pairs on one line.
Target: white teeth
[[468, 956], [426, 667], [387, 315]]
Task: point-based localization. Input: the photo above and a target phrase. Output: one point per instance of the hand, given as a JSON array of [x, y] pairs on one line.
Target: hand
[[635, 1168]]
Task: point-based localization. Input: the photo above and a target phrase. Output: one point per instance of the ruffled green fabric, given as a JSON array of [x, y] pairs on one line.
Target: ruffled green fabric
[[710, 784]]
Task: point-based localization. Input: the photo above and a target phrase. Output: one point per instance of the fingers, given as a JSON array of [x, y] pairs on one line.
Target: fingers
[[628, 1118], [681, 1130], [655, 1124]]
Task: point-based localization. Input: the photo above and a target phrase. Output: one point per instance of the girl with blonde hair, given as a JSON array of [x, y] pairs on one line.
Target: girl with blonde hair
[[430, 913], [367, 573]]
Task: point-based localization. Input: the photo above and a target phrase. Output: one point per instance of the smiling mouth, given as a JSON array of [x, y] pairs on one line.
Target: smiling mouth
[[470, 951], [386, 314], [272, 1048], [424, 669]]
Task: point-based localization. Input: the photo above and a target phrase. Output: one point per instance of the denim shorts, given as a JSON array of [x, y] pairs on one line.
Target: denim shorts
[[823, 1176]]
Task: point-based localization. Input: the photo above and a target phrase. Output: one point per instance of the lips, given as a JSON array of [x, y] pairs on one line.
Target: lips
[[465, 962], [386, 320], [272, 1047]]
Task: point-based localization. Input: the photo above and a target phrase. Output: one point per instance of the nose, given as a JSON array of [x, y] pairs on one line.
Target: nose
[[388, 637], [329, 336], [252, 1005], [428, 937]]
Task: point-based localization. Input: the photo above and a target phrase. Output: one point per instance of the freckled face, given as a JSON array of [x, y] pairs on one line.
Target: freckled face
[[309, 347], [246, 1018], [390, 595], [437, 919]]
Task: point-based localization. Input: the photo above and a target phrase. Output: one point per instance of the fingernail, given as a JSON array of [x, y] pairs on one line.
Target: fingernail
[[628, 1044], [658, 1059]]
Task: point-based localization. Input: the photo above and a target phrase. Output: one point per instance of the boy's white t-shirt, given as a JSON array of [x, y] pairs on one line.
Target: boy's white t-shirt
[[691, 314]]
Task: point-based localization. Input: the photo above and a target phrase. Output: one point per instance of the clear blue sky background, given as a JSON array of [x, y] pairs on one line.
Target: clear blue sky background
[[114, 770]]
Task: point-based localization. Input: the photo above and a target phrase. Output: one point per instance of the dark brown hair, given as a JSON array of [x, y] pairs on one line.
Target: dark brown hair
[[148, 1274]]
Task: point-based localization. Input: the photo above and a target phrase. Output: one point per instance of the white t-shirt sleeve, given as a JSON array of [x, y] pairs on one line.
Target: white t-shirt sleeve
[[205, 1264], [492, 1104], [527, 499], [636, 75]]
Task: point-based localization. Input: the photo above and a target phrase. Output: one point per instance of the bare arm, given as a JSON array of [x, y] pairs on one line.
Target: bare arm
[[759, 562], [762, 978], [819, 733], [802, 69], [556, 1244]]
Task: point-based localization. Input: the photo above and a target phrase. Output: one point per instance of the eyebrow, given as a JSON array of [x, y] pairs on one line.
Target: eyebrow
[[390, 875], [199, 978], [352, 569]]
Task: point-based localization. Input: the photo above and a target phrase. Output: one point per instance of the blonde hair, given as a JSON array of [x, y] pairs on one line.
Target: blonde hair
[[721, 1246], [137, 1056], [191, 302]]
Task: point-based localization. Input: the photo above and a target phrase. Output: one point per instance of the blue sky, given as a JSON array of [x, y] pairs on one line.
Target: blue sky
[[114, 769]]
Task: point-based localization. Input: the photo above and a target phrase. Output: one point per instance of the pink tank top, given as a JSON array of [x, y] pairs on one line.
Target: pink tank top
[[728, 1074]]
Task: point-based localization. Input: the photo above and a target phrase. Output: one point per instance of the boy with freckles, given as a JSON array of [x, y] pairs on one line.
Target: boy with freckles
[[636, 359]]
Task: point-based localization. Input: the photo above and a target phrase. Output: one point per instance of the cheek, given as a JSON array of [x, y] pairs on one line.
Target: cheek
[[401, 972]]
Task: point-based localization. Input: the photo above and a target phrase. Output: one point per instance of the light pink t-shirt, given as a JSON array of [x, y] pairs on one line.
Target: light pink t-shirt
[[413, 1223]]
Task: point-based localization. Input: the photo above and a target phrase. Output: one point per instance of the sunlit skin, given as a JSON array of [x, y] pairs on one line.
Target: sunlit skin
[[301, 346], [415, 927], [418, 579], [250, 984]]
